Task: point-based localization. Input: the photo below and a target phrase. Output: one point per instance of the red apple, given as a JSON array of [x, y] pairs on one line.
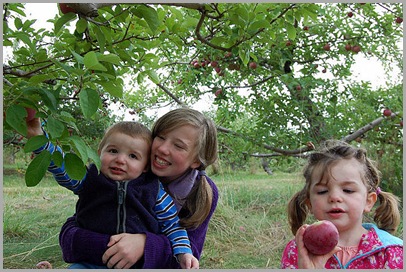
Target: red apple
[[356, 48], [326, 47], [66, 9], [298, 88], [321, 237], [30, 114], [214, 64], [218, 92], [253, 65], [350, 14], [305, 28], [348, 47], [399, 20], [288, 43], [324, 71], [387, 112]]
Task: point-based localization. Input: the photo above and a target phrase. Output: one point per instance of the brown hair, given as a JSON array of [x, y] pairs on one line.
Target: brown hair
[[130, 128], [199, 200], [387, 215]]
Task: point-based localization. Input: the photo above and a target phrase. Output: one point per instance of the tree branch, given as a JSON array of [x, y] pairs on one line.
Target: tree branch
[[366, 128]]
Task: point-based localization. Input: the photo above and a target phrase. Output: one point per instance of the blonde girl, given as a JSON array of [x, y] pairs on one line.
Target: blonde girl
[[341, 185]]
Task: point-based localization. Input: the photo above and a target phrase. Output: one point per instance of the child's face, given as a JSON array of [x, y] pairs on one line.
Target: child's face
[[124, 157], [341, 197], [174, 152]]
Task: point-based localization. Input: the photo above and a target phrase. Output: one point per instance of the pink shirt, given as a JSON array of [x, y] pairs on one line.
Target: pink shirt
[[372, 253]]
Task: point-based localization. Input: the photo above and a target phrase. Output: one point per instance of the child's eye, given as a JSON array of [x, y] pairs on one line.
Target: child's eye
[[179, 146], [349, 191], [113, 150], [133, 156], [321, 192]]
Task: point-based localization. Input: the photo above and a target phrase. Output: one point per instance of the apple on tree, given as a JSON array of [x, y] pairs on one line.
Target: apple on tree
[[321, 237], [387, 112], [65, 8], [30, 114], [253, 65]]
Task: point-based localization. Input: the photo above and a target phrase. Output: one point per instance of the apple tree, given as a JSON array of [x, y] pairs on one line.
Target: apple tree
[[277, 78]]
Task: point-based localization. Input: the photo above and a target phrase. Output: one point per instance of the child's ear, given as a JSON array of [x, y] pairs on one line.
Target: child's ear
[[309, 205], [371, 199]]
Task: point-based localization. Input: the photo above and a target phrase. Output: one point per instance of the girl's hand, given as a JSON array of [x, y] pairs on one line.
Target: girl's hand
[[188, 261], [124, 250], [307, 260]]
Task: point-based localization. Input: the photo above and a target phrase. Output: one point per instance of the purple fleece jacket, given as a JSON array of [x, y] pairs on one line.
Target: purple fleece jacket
[[80, 245]]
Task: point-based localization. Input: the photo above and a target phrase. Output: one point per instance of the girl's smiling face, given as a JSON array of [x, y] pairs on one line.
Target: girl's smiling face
[[340, 195], [174, 152]]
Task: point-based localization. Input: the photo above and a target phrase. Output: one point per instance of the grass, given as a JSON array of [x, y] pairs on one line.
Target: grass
[[248, 230]]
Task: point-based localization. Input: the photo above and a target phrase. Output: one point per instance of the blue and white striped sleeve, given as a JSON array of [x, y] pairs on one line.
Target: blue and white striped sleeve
[[59, 173], [168, 221]]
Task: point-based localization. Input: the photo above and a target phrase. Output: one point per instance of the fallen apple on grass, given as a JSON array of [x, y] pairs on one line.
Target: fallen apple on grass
[[321, 237]]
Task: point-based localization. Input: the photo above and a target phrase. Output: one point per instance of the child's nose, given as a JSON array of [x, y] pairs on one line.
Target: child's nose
[[120, 158], [164, 147], [335, 196]]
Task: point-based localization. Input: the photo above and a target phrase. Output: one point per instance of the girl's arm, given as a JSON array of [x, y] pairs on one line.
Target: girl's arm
[[81, 245]]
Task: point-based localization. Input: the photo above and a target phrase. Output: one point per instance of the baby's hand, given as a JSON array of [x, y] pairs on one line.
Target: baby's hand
[[188, 261]]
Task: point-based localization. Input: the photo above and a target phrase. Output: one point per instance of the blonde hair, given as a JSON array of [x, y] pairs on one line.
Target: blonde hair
[[386, 216], [130, 128], [199, 201]]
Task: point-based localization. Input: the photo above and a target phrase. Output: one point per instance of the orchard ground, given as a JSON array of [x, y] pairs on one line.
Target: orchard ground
[[248, 230]]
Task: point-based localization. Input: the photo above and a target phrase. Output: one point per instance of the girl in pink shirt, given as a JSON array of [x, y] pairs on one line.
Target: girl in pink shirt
[[341, 185]]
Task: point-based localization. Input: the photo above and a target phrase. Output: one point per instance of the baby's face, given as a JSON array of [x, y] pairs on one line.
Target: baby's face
[[124, 157]]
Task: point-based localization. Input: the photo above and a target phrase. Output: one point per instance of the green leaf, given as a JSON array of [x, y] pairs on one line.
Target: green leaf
[[291, 31], [94, 157], [63, 20], [78, 57], [57, 158], [244, 55], [15, 117], [74, 166], [49, 99], [81, 25], [152, 76], [37, 168], [111, 58], [89, 100], [38, 79], [80, 147], [18, 23], [101, 38], [92, 63], [150, 16], [35, 142], [24, 37], [55, 127], [112, 88]]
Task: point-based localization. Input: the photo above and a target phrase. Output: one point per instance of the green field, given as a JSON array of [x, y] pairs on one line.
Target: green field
[[248, 230]]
